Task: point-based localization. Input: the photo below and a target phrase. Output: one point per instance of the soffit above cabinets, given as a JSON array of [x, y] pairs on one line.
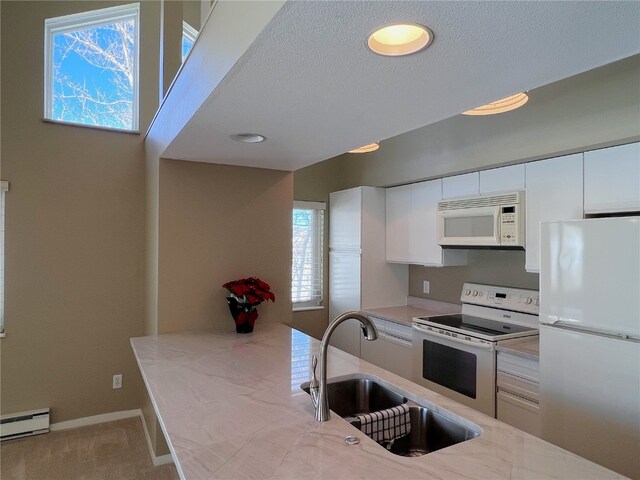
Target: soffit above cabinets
[[310, 85]]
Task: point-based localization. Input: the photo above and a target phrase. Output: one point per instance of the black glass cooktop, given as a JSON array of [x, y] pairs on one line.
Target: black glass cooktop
[[469, 323]]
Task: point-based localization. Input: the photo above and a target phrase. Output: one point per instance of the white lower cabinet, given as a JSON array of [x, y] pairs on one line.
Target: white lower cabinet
[[517, 392], [397, 356], [346, 337], [554, 192], [373, 350], [392, 349]]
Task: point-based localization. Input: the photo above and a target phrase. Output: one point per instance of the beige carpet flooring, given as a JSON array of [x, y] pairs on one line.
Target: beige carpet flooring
[[108, 451]]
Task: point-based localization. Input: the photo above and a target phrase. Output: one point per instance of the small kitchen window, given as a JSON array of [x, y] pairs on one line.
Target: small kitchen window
[[307, 278], [189, 35], [91, 68]]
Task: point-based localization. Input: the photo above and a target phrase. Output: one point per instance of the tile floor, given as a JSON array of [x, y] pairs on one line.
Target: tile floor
[[108, 451]]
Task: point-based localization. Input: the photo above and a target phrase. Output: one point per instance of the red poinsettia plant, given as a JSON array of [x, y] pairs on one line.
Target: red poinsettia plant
[[245, 295], [250, 291]]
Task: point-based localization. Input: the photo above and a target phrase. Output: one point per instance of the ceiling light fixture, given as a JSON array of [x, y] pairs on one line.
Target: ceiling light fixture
[[400, 39], [372, 147], [248, 137], [500, 106]]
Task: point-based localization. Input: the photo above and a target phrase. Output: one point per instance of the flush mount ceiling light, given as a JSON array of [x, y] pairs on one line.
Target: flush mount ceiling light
[[248, 137], [500, 106], [400, 39], [372, 147]]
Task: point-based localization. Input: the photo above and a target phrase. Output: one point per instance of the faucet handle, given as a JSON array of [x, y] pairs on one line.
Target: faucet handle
[[314, 380], [314, 385]]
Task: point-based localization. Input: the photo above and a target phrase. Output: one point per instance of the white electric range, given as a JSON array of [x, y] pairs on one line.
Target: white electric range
[[455, 355]]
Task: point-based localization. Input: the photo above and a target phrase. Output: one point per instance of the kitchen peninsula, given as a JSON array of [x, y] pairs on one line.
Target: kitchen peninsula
[[231, 406]]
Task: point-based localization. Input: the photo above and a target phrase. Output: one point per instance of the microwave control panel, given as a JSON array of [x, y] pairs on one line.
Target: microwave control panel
[[509, 234]]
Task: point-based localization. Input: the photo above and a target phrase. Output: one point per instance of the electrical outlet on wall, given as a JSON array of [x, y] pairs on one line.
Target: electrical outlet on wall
[[425, 286], [117, 381]]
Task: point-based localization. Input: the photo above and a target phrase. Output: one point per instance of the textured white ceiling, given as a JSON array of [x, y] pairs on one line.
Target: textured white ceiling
[[310, 85]]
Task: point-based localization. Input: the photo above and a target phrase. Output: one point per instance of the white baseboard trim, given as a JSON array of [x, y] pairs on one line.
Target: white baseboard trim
[[110, 417], [95, 419], [157, 461]]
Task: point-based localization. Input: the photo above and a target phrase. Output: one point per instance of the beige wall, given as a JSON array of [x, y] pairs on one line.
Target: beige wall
[[597, 108], [191, 13], [220, 223], [74, 233], [494, 267], [171, 42]]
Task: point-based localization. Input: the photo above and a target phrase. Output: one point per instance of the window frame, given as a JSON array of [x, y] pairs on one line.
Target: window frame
[[318, 239], [191, 34], [85, 20], [4, 188]]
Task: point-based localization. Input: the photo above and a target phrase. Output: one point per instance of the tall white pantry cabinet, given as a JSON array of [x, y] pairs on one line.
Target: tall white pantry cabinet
[[359, 275]]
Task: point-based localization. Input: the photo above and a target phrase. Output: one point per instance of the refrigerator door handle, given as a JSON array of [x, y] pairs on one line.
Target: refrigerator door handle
[[591, 331]]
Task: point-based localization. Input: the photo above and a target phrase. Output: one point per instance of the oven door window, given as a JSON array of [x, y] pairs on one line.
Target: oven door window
[[449, 367]]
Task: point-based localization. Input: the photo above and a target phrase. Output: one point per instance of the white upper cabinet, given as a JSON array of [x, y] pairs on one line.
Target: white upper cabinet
[[423, 241], [461, 185], [503, 179], [411, 226], [398, 223], [612, 179], [554, 192]]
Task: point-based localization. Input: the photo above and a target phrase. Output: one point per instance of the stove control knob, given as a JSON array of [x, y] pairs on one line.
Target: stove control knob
[[481, 293], [537, 302], [467, 292], [528, 300], [475, 293]]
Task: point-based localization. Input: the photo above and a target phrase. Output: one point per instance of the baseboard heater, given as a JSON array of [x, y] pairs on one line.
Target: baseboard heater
[[24, 424]]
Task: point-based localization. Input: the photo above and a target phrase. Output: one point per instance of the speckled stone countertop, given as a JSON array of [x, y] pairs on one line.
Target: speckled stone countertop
[[416, 307], [231, 407], [528, 347]]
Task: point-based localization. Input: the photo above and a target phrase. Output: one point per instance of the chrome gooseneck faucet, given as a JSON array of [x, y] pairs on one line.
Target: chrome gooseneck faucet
[[318, 389]]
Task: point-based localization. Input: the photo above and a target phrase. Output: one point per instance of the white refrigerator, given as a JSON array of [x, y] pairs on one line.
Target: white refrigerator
[[590, 339]]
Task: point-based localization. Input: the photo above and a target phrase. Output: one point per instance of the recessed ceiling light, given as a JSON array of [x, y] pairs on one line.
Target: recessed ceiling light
[[500, 106], [400, 39], [248, 137], [372, 147]]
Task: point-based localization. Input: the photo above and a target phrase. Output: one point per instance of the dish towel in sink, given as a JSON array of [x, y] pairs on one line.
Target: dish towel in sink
[[386, 426]]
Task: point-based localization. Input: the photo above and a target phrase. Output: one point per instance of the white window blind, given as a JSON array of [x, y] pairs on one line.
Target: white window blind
[[4, 186], [306, 272]]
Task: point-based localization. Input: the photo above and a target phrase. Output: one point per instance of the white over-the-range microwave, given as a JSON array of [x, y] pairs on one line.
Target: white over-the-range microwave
[[495, 220]]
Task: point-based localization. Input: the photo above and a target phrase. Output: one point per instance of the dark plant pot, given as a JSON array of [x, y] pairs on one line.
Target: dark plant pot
[[243, 315]]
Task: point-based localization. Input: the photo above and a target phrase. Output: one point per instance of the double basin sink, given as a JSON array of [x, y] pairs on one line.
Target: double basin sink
[[431, 430]]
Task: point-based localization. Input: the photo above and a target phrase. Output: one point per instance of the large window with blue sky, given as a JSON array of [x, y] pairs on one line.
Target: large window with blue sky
[[91, 67]]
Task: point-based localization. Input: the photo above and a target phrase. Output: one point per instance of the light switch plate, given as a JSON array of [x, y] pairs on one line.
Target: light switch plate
[[425, 286]]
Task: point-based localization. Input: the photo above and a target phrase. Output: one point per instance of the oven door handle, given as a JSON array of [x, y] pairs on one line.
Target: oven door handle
[[483, 345]]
